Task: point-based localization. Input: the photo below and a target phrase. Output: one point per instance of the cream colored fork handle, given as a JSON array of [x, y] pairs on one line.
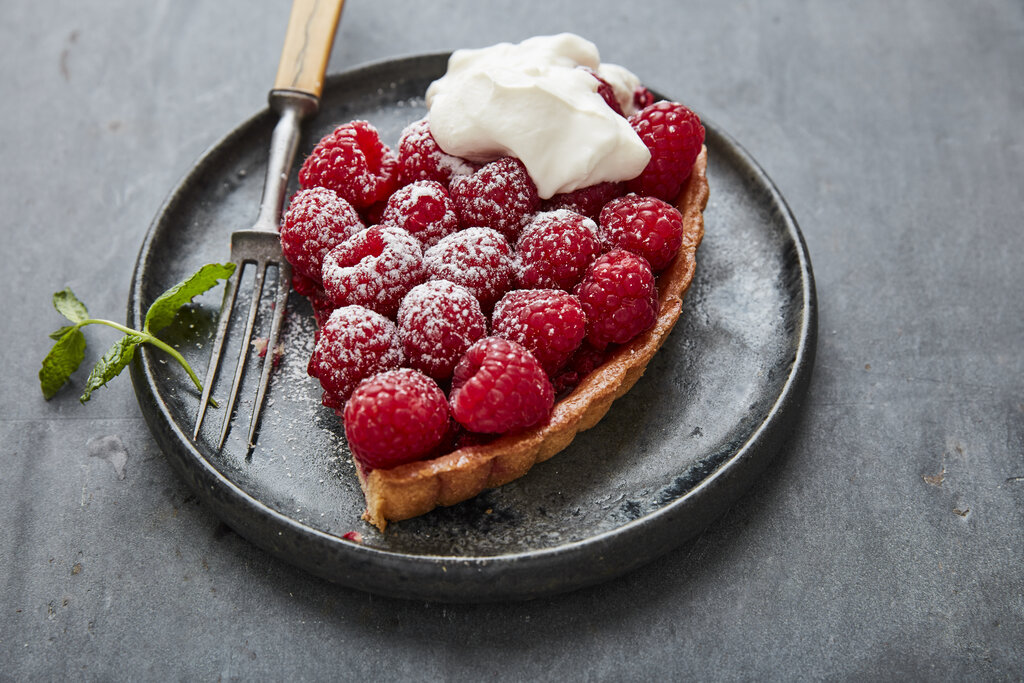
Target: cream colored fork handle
[[296, 94], [307, 46]]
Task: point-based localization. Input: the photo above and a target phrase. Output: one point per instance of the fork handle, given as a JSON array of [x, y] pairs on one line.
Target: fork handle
[[307, 46], [296, 95]]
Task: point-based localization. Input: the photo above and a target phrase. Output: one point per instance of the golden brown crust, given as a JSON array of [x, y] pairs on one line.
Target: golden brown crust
[[416, 488]]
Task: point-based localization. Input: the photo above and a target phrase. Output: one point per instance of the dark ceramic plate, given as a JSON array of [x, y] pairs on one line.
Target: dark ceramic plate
[[671, 456]]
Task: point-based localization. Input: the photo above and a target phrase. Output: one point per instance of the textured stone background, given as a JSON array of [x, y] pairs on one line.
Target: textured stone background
[[884, 542]]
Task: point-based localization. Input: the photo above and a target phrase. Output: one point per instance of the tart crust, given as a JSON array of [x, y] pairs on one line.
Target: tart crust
[[416, 488]]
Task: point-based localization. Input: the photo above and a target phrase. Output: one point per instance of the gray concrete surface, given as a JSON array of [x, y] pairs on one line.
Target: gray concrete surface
[[884, 543]]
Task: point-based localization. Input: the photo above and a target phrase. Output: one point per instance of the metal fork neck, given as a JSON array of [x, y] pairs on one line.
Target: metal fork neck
[[292, 107]]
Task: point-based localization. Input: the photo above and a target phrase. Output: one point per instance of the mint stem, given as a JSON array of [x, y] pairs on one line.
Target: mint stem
[[159, 343]]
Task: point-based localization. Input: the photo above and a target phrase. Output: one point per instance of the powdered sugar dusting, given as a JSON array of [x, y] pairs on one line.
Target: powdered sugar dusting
[[500, 195], [437, 322], [555, 249], [479, 259], [317, 220], [374, 268], [353, 344], [420, 158], [424, 209]]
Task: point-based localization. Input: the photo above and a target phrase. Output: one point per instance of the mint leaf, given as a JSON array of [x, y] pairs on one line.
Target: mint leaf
[[62, 360], [69, 351], [61, 332], [68, 305], [111, 364], [166, 306]]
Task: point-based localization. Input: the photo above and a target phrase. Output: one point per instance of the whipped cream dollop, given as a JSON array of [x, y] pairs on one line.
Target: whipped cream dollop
[[531, 101]]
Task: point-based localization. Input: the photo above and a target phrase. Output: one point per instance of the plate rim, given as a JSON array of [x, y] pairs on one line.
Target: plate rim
[[460, 577]]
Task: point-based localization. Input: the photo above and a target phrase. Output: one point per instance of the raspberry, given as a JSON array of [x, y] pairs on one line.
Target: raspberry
[[449, 442], [479, 259], [555, 249], [605, 90], [353, 162], [619, 296], [467, 439], [500, 195], [424, 209], [305, 286], [674, 135], [395, 417], [374, 268], [583, 362], [354, 343], [420, 158], [437, 322], [499, 387], [318, 299], [550, 323], [322, 309], [646, 226], [586, 201], [317, 220], [642, 97], [371, 214]]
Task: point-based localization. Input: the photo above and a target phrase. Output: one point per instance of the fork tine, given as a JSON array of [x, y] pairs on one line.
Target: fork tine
[[261, 246], [284, 278], [243, 353], [296, 95], [226, 307]]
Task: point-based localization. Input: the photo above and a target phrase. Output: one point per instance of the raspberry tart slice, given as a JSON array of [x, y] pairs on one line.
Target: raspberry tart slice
[[414, 488], [529, 289]]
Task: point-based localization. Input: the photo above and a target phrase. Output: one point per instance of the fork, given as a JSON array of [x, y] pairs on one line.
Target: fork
[[295, 96]]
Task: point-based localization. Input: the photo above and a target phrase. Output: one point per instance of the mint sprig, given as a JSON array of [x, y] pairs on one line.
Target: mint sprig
[[69, 351]]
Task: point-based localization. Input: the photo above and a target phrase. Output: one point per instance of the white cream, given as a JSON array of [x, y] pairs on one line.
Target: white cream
[[531, 101], [624, 82]]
